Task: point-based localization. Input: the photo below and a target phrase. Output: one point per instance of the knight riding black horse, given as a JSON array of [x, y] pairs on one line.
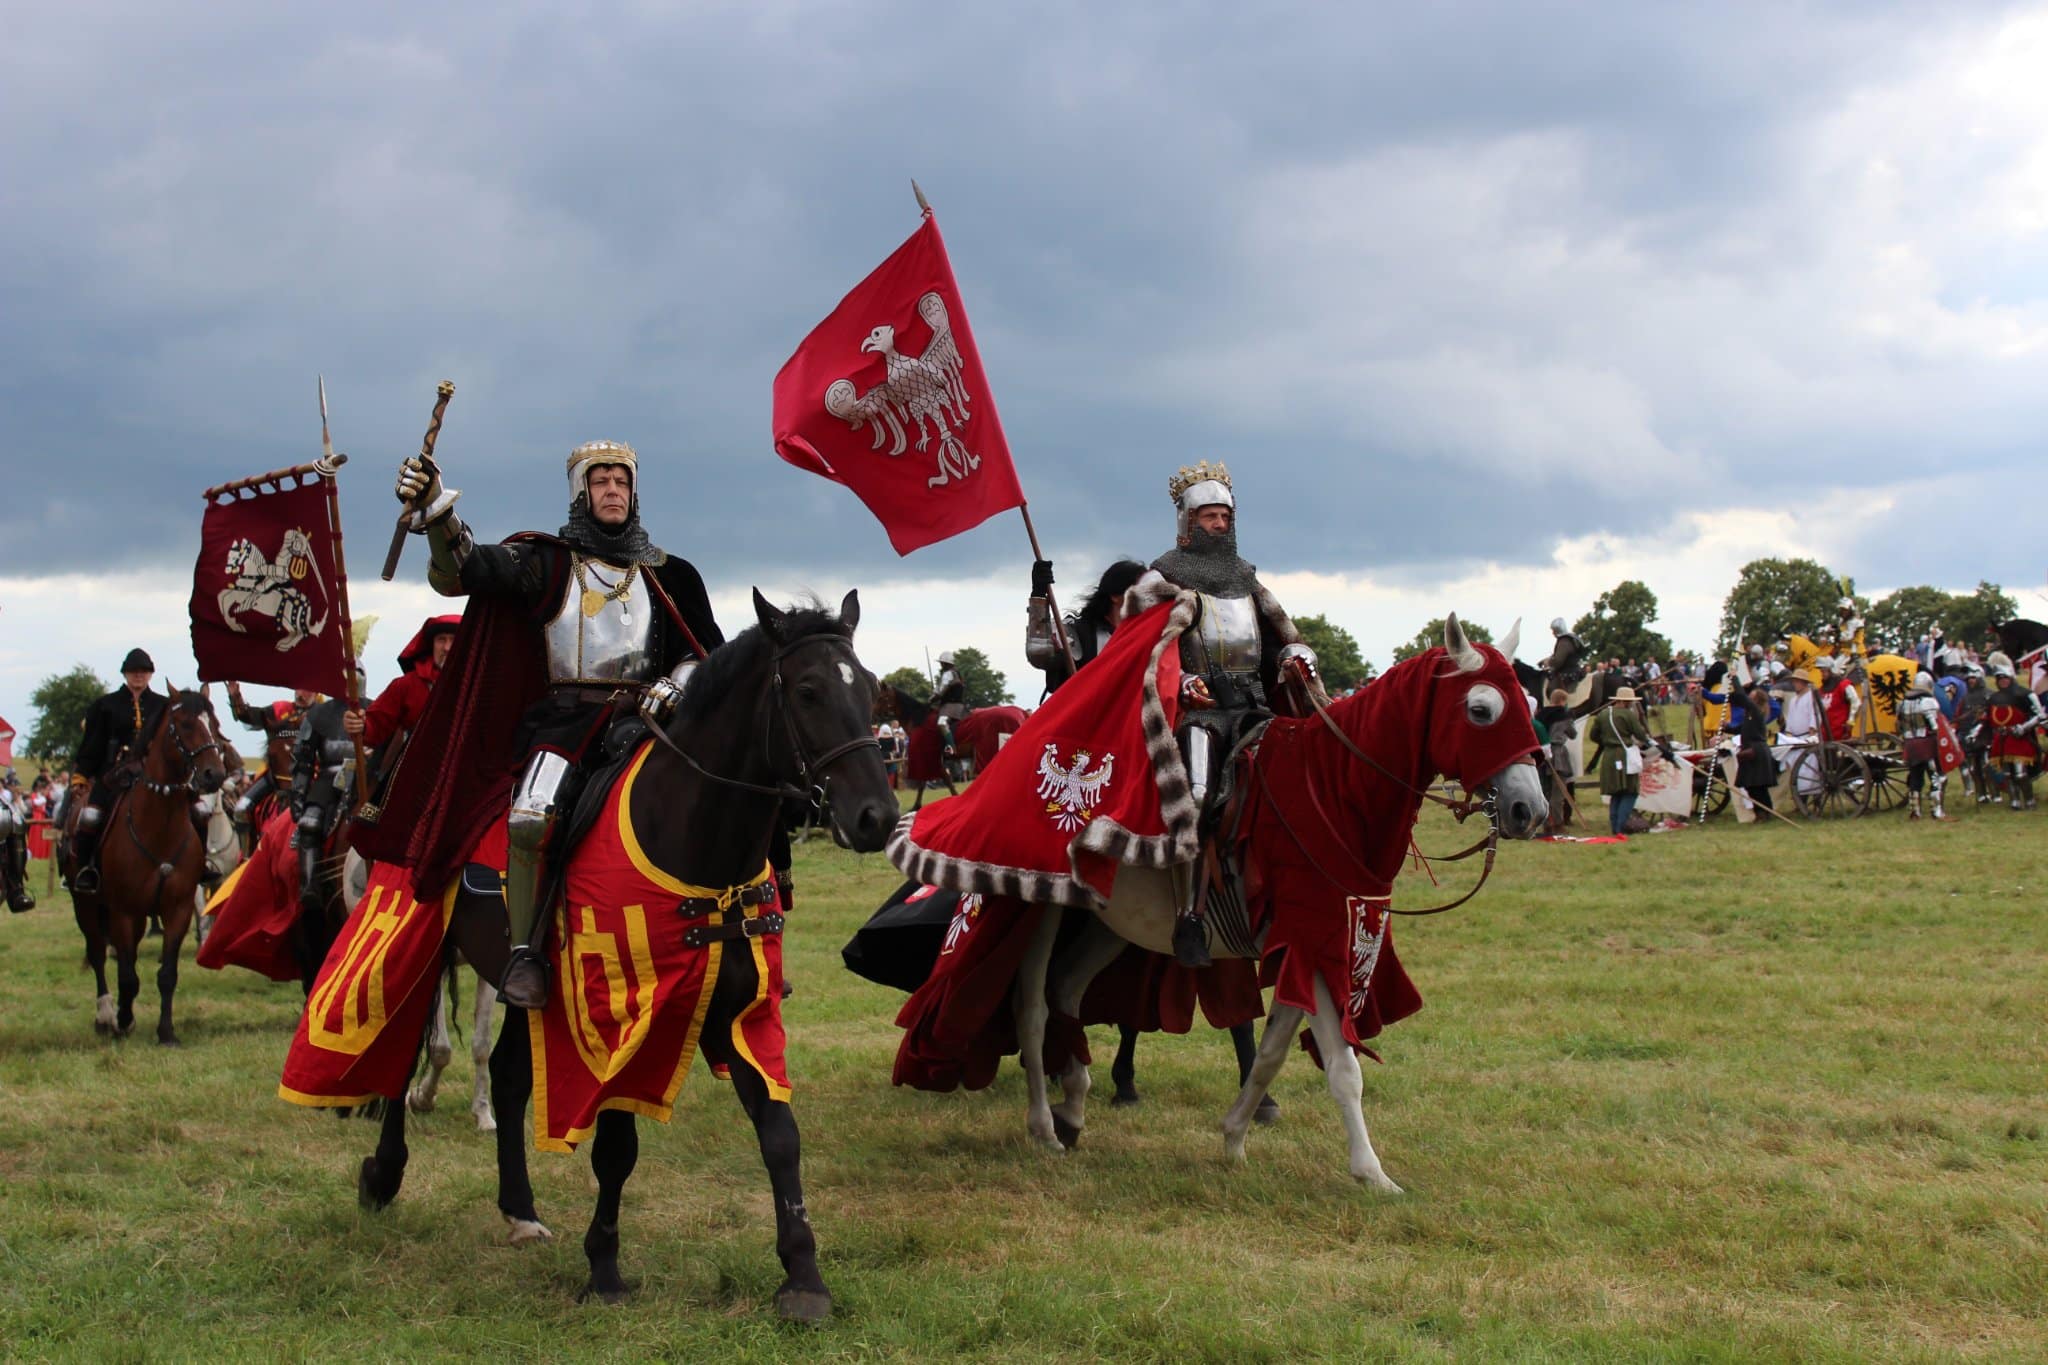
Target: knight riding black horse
[[781, 709]]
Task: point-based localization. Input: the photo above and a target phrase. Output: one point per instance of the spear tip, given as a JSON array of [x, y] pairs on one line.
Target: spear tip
[[924, 205]]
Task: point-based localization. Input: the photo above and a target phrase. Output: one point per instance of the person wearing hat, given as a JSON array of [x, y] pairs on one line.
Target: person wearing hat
[[1622, 737], [560, 628], [2014, 716], [116, 726]]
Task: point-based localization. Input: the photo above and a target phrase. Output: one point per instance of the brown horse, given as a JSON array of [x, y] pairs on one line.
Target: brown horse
[[151, 860]]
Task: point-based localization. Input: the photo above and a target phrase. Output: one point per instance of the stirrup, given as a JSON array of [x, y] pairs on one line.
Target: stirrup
[[1190, 941], [87, 879], [525, 985]]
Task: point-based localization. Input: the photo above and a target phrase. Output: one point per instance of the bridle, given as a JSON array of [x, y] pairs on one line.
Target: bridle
[[191, 757], [1460, 807], [810, 767]]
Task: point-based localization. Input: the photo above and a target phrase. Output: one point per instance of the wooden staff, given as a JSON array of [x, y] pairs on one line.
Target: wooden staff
[[1052, 606], [400, 531], [326, 466]]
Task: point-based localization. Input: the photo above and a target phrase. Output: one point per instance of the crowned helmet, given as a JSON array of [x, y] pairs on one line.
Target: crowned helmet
[[591, 454], [1196, 486]]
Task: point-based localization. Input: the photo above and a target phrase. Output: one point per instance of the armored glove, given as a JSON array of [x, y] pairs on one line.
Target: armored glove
[[1301, 656], [1041, 577], [419, 487], [658, 702]]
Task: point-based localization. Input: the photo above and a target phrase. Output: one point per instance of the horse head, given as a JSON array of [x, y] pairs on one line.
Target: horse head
[[827, 698], [1480, 734], [188, 743]]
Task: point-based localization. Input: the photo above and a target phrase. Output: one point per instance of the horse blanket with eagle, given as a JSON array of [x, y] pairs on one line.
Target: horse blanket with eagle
[[1094, 781], [622, 1026]]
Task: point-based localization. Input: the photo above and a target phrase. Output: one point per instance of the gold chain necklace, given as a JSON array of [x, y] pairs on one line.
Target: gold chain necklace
[[621, 592]]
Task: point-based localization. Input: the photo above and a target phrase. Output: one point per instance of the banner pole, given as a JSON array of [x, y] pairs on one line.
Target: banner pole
[[327, 465]]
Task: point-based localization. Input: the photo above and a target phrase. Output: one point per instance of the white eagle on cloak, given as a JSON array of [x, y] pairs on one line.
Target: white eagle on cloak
[[929, 390], [1072, 793]]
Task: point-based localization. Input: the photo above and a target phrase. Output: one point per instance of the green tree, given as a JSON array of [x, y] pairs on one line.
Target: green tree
[[1898, 620], [1777, 595], [61, 701], [1618, 627], [910, 680], [1337, 656], [1974, 614], [985, 686], [1432, 635]]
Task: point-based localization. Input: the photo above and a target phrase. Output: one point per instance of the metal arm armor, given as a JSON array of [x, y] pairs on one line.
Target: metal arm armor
[[1041, 647], [449, 548]]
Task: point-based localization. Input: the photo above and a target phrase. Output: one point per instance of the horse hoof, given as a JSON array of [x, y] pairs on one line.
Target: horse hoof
[[171, 1041], [1268, 1112], [486, 1124], [526, 1231], [1067, 1133], [367, 1192], [418, 1103], [1380, 1182], [803, 1305], [612, 1292], [1126, 1100], [103, 1027]]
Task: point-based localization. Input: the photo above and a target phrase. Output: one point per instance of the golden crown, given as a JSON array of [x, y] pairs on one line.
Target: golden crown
[[1190, 475]]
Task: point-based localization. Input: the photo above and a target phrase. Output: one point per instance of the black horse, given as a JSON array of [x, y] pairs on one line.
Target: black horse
[[782, 707]]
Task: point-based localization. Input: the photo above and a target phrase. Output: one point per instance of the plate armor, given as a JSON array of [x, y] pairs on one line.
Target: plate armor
[[602, 631]]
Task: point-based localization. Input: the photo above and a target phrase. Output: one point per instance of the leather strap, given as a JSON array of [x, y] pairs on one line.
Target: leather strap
[[701, 935], [696, 907]]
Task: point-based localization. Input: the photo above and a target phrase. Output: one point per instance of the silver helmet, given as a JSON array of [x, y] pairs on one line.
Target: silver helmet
[[1197, 486], [591, 454]]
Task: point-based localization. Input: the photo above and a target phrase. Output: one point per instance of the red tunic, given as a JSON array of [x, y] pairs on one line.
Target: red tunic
[[398, 708]]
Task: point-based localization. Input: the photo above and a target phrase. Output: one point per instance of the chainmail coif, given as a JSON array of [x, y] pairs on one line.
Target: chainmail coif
[[1209, 563], [626, 543]]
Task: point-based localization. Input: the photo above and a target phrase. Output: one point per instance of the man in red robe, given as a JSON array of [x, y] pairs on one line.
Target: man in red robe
[[399, 707]]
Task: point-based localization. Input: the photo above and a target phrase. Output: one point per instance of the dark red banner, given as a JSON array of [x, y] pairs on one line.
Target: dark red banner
[[268, 602], [888, 396]]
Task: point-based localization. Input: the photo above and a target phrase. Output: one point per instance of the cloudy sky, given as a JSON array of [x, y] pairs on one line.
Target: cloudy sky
[[1488, 306]]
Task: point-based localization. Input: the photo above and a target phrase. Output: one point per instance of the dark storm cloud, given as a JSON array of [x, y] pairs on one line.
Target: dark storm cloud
[[1443, 283]]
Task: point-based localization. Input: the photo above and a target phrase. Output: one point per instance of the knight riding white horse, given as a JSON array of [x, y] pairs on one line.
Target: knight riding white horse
[[270, 588]]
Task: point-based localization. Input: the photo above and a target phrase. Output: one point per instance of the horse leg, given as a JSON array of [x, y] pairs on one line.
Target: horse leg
[[440, 1051], [480, 1056], [92, 923], [1347, 1085], [125, 933], [383, 1171], [175, 925], [613, 1154], [1028, 1000], [1273, 1047], [1242, 1042], [1123, 1072], [802, 1296], [1097, 947], [512, 1085]]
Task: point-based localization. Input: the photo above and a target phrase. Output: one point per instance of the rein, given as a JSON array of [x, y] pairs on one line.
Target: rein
[[1461, 807], [809, 767]]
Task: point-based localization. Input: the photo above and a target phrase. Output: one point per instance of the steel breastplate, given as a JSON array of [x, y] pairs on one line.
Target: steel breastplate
[[1916, 718], [596, 637], [1229, 633]]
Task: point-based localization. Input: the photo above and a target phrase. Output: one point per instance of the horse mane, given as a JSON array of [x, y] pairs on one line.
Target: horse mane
[[909, 710], [744, 653]]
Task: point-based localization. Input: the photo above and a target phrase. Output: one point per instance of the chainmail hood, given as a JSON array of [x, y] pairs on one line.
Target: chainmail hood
[[1209, 563], [626, 543]]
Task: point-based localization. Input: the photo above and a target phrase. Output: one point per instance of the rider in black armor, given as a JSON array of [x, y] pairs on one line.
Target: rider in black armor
[[323, 778]]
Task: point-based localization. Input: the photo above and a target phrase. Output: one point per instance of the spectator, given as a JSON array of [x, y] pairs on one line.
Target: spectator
[[1622, 737]]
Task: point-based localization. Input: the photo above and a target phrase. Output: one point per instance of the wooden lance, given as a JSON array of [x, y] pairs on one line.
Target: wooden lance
[[1052, 606], [399, 532], [326, 466]]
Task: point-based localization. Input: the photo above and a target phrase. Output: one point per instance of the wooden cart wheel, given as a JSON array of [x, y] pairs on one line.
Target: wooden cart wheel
[[1830, 780], [1887, 778]]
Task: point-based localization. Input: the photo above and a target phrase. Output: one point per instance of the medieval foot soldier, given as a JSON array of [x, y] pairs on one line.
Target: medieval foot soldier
[[1919, 718], [14, 846], [2014, 716], [279, 723], [1234, 655], [1562, 668], [116, 727], [323, 779], [614, 618]]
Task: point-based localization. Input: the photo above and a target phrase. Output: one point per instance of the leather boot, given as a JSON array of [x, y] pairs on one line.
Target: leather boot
[[1190, 941]]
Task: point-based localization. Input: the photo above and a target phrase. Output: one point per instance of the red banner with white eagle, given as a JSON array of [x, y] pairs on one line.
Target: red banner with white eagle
[[888, 396], [269, 604]]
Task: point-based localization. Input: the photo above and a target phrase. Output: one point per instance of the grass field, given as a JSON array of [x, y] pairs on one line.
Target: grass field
[[1729, 1094]]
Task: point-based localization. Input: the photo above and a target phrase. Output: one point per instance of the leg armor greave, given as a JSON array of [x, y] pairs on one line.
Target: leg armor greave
[[311, 837], [532, 820], [1190, 934], [1198, 748]]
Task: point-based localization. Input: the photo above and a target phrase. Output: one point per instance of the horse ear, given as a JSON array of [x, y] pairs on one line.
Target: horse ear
[[1464, 658], [768, 616], [849, 610], [1512, 641]]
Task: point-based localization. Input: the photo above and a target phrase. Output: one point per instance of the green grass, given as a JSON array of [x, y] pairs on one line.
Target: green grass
[[1732, 1094]]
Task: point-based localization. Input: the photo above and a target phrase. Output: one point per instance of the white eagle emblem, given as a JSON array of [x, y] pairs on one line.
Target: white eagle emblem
[[1071, 794], [1368, 932], [258, 585], [964, 917], [929, 390]]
